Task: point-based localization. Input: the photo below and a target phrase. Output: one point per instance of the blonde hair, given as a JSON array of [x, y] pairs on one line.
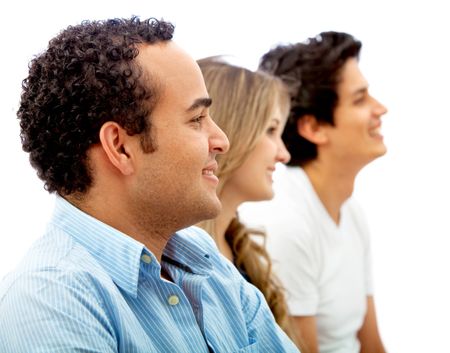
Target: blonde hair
[[243, 104]]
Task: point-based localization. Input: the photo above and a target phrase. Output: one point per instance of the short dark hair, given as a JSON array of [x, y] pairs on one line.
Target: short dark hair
[[87, 76], [312, 71]]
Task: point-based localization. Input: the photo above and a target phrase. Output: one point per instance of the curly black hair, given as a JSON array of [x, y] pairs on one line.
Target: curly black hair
[[87, 76], [312, 71]]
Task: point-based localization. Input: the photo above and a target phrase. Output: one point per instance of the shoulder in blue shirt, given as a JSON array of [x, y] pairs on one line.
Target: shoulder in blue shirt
[[85, 286]]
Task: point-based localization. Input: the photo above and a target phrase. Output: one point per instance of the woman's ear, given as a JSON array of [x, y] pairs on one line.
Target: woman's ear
[[309, 128], [115, 143]]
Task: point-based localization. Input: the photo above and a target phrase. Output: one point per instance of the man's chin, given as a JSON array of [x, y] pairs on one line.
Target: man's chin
[[214, 210], [380, 152]]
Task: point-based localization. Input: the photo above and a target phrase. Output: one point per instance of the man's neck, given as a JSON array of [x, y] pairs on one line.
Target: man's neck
[[332, 183], [146, 231]]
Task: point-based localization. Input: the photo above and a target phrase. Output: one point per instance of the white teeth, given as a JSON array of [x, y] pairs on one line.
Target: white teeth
[[208, 172], [375, 132]]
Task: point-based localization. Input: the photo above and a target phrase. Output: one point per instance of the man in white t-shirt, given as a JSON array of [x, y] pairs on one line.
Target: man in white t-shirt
[[317, 234]]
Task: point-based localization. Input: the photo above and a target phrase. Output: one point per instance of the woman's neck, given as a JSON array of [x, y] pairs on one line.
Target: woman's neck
[[222, 222]]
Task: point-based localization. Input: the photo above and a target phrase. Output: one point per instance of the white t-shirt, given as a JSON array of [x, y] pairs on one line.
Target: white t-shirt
[[325, 268]]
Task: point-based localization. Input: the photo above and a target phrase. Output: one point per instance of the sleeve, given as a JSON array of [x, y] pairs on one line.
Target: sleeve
[[246, 306], [368, 266], [53, 312], [296, 262], [261, 325]]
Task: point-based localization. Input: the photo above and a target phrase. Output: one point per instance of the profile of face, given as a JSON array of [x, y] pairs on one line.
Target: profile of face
[[356, 135], [252, 180], [178, 179]]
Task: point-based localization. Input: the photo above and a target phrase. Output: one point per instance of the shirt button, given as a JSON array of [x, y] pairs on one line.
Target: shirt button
[[145, 258], [173, 300]]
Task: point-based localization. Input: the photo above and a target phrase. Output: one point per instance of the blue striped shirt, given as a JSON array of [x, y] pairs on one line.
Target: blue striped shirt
[[86, 287]]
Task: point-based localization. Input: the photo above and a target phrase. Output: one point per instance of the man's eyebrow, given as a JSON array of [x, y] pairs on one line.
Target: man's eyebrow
[[200, 102], [361, 90]]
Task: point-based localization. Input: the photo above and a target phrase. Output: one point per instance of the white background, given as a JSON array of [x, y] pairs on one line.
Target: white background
[[406, 58]]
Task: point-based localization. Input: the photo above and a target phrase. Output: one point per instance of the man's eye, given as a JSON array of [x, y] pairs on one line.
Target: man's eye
[[359, 100], [198, 119]]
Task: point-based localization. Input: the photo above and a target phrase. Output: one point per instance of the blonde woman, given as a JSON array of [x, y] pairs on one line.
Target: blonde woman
[[251, 108]]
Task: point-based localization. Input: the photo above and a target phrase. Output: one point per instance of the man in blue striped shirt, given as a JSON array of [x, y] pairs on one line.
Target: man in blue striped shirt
[[115, 118]]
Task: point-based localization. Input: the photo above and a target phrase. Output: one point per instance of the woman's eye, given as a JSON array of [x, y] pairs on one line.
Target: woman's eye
[[271, 130]]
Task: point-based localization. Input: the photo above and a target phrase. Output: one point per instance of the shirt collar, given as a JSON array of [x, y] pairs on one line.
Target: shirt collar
[[116, 252], [190, 251]]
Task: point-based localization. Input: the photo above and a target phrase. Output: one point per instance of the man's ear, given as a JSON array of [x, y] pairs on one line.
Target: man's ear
[[116, 144], [309, 128]]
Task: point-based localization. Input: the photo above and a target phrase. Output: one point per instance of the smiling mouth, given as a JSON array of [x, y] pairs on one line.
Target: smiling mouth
[[375, 132], [210, 176]]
